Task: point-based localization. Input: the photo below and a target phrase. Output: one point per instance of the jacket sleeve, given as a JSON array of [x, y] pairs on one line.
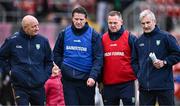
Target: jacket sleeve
[[48, 62], [97, 50], [46, 87], [173, 50], [59, 49], [134, 62], [4, 56]]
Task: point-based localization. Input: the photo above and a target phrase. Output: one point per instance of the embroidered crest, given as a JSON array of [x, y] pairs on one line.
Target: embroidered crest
[[158, 42], [38, 46]]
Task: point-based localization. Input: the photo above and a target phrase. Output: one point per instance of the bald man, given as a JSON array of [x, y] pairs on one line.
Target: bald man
[[28, 56]]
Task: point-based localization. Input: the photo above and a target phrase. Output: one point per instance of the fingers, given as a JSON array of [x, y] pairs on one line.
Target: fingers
[[55, 68], [158, 64]]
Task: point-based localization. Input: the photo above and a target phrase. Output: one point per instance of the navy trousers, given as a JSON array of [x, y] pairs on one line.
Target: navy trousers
[[163, 97], [34, 96], [78, 93], [112, 94]]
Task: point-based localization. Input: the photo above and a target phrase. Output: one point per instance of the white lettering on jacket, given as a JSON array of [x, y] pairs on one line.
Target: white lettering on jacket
[[114, 54], [76, 48], [19, 46]]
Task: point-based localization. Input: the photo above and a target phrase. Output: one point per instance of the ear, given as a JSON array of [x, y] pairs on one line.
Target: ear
[[155, 21], [122, 21]]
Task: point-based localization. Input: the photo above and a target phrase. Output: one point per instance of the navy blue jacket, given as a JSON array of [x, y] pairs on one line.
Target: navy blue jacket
[[71, 73], [29, 59], [165, 47]]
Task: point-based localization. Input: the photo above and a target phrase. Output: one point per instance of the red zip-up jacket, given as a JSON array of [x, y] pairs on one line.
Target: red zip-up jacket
[[54, 91]]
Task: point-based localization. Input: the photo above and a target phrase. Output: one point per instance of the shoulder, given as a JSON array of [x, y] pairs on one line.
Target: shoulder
[[66, 29], [61, 34], [132, 36], [141, 36], [163, 33], [95, 34], [41, 37], [14, 36], [131, 39], [166, 35]]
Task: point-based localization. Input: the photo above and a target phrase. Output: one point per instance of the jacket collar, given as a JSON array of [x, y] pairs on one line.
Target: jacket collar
[[116, 35], [57, 76], [154, 31], [23, 34], [80, 31]]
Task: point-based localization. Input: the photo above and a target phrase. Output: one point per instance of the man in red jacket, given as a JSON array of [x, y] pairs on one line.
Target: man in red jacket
[[118, 74]]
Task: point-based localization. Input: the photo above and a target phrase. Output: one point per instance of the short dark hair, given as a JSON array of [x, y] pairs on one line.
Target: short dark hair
[[81, 10], [114, 13]]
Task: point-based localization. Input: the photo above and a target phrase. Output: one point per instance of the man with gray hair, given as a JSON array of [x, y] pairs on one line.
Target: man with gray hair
[[157, 51]]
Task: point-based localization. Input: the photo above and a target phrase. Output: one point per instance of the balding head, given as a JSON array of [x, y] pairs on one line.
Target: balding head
[[30, 25]]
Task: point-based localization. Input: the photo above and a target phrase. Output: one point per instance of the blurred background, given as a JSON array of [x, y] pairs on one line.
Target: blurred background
[[54, 15]]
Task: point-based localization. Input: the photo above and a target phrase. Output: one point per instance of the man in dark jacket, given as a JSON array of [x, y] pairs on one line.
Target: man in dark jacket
[[28, 56], [157, 51], [118, 74], [78, 52]]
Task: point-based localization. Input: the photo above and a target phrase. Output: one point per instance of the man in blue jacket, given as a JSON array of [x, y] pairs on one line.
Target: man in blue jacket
[[154, 72], [28, 56], [78, 53]]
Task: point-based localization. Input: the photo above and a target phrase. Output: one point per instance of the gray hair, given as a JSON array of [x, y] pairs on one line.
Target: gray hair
[[148, 13]]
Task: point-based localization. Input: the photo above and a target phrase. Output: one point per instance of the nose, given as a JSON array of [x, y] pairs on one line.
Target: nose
[[37, 28], [78, 21], [112, 25], [145, 25]]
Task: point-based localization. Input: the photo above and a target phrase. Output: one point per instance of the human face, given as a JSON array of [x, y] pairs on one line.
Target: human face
[[79, 20], [148, 24], [114, 23], [32, 28]]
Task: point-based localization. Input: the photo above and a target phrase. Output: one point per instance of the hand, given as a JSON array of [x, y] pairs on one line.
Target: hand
[[55, 70], [90, 82], [158, 64]]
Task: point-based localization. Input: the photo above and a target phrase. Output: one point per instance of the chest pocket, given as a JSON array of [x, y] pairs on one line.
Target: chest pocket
[[37, 52], [19, 52]]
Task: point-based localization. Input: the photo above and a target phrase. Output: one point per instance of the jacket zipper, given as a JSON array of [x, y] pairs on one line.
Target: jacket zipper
[[29, 59], [29, 49], [148, 69]]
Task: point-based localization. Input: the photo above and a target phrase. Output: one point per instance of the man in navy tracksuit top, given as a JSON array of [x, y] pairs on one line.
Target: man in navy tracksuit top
[[28, 57], [78, 53], [155, 76]]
